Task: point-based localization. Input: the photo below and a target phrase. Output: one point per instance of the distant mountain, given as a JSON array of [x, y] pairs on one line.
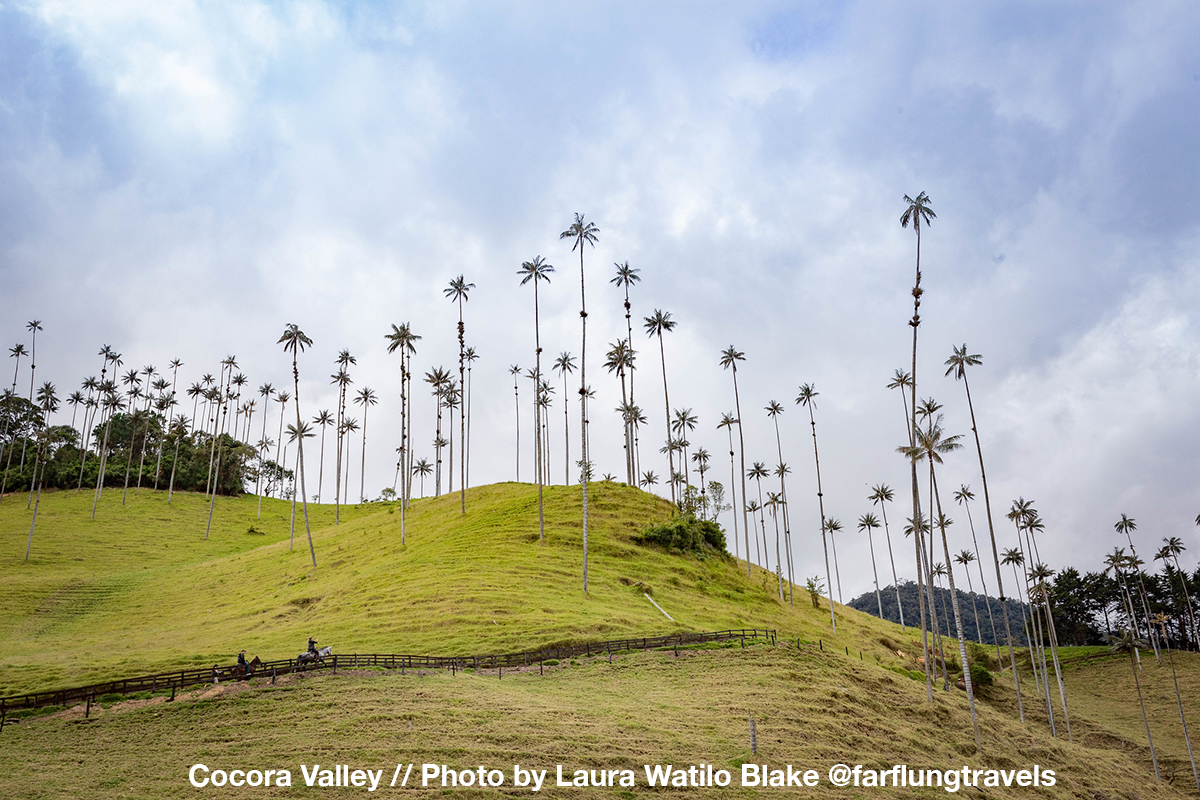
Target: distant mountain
[[912, 613]]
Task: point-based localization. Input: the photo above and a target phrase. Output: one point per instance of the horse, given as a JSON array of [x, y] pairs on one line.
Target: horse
[[309, 657], [246, 672]]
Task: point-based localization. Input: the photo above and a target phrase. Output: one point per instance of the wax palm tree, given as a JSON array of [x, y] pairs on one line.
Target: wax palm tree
[[727, 422], [294, 340], [964, 559], [179, 429], [626, 277], [324, 419], [916, 212], [868, 522], [774, 501], [931, 445], [564, 365], [33, 326], [457, 293], [222, 414], [835, 527], [701, 458], [774, 409], [365, 398], [730, 357], [112, 403], [620, 360], [583, 233], [649, 478], [403, 339], [684, 423], [1126, 525], [1126, 642], [294, 435], [957, 365], [657, 324], [349, 426], [537, 270], [903, 381], [807, 398], [17, 352], [266, 391], [880, 495], [422, 468], [758, 471], [515, 371], [283, 398], [342, 380], [963, 496], [1173, 547], [470, 356]]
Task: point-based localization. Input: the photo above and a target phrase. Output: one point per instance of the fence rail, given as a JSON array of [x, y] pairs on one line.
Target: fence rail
[[179, 679]]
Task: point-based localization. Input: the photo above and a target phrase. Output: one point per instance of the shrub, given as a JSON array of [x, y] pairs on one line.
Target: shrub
[[980, 676], [686, 534]]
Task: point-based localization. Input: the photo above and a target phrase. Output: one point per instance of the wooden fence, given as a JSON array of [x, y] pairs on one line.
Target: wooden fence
[[174, 681]]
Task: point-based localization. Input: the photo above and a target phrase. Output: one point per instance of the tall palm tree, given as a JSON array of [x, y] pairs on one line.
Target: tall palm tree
[[537, 270], [515, 371], [33, 326], [964, 559], [422, 467], [931, 445], [471, 356], [1126, 642], [223, 412], [916, 212], [438, 380], [957, 365], [626, 277], [730, 357], [293, 339], [620, 360], [341, 379], [807, 398], [774, 409], [175, 365], [283, 398], [265, 391], [684, 423], [583, 232], [365, 398], [295, 435], [880, 495], [349, 426], [403, 339], [835, 527], [17, 351], [457, 292], [179, 429], [727, 422], [758, 471], [963, 497], [324, 419], [658, 323], [1127, 526], [868, 522], [1173, 548], [774, 501], [564, 365]]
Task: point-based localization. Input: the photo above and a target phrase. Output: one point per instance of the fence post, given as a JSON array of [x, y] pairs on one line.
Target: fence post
[[87, 713]]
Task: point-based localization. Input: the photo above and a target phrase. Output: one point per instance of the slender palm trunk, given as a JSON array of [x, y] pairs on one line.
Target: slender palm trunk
[[667, 406], [1145, 721], [467, 435], [987, 501], [566, 435], [1187, 739], [733, 491], [585, 475], [404, 487], [821, 507], [962, 642], [537, 406], [212, 500], [362, 474], [986, 600], [875, 571], [462, 418], [303, 490], [321, 477], [787, 529], [171, 484], [517, 408], [895, 580], [916, 490], [258, 480], [103, 465]]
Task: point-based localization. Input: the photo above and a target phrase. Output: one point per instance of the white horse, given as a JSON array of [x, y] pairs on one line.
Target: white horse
[[309, 657]]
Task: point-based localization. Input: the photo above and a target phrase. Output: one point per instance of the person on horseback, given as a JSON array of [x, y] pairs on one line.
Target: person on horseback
[[312, 645], [242, 661]]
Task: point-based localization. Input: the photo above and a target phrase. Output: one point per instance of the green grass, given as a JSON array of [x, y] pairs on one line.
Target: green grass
[[140, 590]]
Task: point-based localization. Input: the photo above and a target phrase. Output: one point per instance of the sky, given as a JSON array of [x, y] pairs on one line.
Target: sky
[[182, 180]]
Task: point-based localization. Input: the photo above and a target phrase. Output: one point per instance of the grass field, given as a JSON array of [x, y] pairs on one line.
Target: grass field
[[140, 590]]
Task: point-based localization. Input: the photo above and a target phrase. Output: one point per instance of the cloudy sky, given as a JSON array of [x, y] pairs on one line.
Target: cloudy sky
[[182, 179]]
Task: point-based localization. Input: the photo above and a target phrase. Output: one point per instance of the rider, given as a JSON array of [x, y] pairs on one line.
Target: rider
[[312, 645], [242, 660]]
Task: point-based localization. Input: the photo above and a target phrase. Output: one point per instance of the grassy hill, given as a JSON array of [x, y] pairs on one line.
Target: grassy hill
[[139, 590]]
